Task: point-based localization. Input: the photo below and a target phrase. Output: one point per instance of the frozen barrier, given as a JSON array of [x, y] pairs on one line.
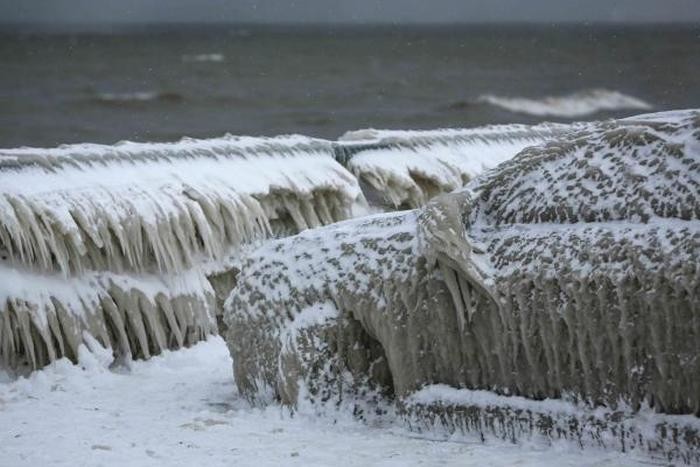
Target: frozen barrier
[[97, 240], [166, 209], [163, 207], [46, 317], [405, 169], [556, 296]]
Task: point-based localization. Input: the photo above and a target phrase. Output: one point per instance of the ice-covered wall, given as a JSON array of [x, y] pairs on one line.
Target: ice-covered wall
[[407, 168], [116, 241], [571, 272]]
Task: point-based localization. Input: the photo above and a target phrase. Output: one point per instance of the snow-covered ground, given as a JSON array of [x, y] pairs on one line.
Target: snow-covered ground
[[182, 408]]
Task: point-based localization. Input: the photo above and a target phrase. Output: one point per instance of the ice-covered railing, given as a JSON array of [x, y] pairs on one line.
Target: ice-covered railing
[[46, 316], [160, 207], [156, 207], [113, 244], [564, 282], [407, 168]]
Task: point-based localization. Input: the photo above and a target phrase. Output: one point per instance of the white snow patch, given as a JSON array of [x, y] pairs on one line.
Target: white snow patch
[[313, 315], [448, 395]]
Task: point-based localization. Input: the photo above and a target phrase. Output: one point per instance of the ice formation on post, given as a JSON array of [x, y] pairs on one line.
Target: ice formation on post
[[408, 168], [118, 238], [558, 295]]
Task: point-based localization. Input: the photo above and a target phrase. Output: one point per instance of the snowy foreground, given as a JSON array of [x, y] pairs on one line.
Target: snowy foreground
[[182, 408]]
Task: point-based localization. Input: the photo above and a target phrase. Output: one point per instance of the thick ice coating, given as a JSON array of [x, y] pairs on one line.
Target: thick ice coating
[[571, 272], [407, 168], [112, 242], [160, 207], [46, 317]]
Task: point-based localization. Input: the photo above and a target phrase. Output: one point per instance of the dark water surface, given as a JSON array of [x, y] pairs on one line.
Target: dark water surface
[[161, 84]]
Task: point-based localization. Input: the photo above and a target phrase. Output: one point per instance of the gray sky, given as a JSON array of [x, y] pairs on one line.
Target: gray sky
[[343, 11]]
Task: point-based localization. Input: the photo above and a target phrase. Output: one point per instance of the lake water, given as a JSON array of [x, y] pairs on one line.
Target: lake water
[[155, 84]]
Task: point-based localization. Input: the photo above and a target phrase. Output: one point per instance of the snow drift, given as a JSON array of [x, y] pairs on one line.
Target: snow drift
[[570, 274], [407, 168], [95, 227]]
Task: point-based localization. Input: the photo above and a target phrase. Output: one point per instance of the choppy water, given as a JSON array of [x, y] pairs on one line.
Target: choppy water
[[205, 81]]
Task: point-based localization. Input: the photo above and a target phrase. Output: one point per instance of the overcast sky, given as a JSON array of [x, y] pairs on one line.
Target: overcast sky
[[344, 11]]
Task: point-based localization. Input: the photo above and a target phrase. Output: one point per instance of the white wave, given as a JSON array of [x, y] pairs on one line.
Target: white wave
[[574, 105], [138, 96], [215, 58], [127, 96]]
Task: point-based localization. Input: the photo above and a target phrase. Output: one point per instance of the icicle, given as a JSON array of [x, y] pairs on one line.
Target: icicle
[[70, 334], [452, 285], [166, 308]]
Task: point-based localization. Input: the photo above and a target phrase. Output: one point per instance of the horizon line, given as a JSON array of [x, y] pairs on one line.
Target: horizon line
[[116, 26]]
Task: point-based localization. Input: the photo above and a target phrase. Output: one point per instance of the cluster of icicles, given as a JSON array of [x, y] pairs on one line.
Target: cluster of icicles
[[115, 243]]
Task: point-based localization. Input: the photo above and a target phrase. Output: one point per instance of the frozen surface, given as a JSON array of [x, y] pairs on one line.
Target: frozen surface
[[409, 167], [87, 231], [181, 408], [159, 206], [46, 317]]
